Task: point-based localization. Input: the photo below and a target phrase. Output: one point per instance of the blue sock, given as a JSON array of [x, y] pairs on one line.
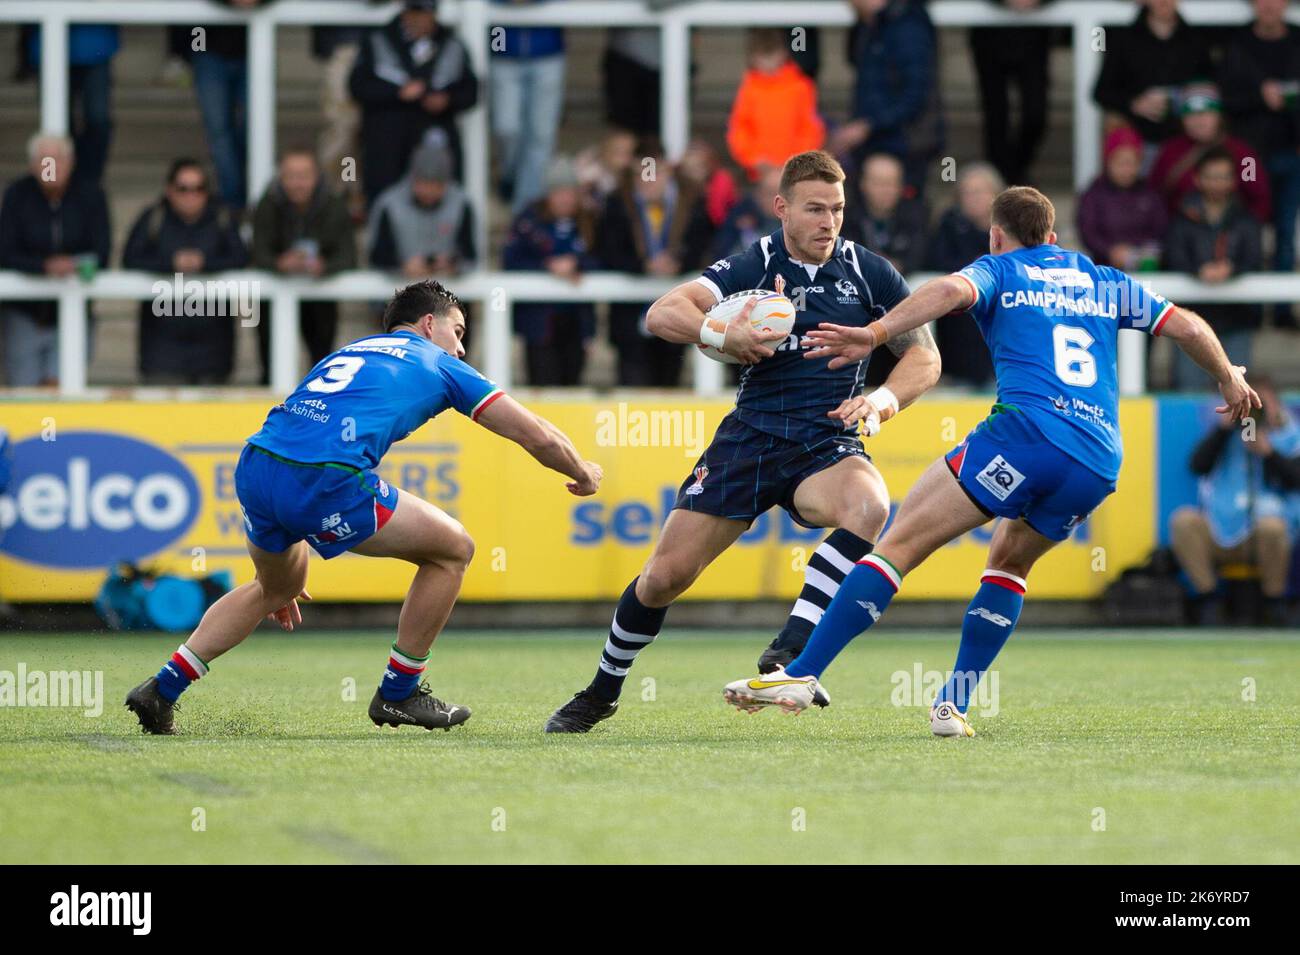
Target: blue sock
[[860, 601], [179, 672], [991, 617], [402, 675]]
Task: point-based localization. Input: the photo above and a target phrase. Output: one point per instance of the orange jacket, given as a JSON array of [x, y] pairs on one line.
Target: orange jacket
[[774, 117]]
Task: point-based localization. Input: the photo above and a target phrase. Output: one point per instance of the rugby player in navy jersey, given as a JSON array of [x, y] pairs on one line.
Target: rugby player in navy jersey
[[307, 478], [792, 439]]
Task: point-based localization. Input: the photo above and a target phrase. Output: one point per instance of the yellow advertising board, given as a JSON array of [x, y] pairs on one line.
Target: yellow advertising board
[[153, 483]]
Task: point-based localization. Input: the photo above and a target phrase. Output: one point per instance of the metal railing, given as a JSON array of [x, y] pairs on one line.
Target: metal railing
[[473, 20]]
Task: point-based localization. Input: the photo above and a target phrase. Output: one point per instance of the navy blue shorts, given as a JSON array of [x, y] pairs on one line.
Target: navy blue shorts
[[1009, 469], [744, 472], [333, 507]]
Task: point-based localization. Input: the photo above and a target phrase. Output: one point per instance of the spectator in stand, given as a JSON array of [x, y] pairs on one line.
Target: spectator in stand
[[1260, 79], [1249, 492], [527, 78], [218, 55], [961, 237], [186, 233], [774, 115], [1174, 171], [753, 217], [91, 48], [302, 228], [555, 235], [1145, 66], [423, 224], [1214, 238], [52, 222], [896, 108], [631, 72], [601, 167], [701, 167], [883, 219], [653, 225], [1122, 220], [1005, 56], [412, 76]]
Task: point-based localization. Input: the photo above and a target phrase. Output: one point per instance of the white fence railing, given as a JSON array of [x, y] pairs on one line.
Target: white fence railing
[[497, 291], [473, 19]]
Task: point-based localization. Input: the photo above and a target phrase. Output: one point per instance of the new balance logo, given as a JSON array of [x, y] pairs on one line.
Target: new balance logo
[[990, 616], [870, 608]]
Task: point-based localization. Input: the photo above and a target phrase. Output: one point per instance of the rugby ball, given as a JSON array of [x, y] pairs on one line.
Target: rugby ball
[[772, 313]]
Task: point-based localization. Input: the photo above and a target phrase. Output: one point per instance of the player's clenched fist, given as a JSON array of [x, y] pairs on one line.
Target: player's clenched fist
[[743, 342], [590, 481], [841, 343]]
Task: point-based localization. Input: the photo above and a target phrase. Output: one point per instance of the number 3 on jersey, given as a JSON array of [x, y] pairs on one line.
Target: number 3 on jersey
[[339, 374], [1074, 363]]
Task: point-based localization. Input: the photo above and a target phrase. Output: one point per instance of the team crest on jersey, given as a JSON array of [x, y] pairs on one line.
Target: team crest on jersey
[[700, 474], [778, 285], [848, 294], [999, 478]]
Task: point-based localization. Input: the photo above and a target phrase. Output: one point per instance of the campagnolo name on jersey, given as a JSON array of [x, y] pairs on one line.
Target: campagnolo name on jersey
[[1051, 301]]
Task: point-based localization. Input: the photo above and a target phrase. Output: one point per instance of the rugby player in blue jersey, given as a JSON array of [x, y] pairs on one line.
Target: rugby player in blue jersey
[[1043, 460], [792, 439], [307, 479]]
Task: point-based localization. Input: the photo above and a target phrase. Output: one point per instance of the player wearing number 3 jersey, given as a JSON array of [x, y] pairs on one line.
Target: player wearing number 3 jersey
[[1043, 460], [307, 479]]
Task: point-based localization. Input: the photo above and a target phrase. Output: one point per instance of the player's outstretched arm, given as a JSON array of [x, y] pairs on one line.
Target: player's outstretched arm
[[678, 316], [544, 441], [1195, 337], [916, 373], [934, 299]]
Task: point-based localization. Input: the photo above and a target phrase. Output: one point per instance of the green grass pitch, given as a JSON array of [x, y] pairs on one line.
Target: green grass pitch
[[1114, 747]]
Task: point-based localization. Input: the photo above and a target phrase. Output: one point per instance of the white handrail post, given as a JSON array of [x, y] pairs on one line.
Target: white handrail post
[[473, 32], [675, 83], [1132, 362], [54, 72], [284, 338], [1087, 116], [261, 103], [498, 308], [72, 340]]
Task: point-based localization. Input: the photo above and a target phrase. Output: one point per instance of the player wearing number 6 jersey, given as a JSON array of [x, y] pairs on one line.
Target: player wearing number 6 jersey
[[307, 478], [1043, 460]]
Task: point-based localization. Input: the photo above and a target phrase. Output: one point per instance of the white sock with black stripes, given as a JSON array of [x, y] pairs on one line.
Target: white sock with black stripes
[[825, 571]]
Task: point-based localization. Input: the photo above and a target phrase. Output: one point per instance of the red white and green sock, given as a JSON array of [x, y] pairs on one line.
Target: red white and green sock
[[179, 672], [401, 675]]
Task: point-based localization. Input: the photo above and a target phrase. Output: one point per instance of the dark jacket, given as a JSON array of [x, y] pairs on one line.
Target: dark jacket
[[1247, 62], [534, 238], [955, 244], [897, 84], [899, 238], [32, 230], [200, 346], [1136, 60], [393, 128], [1110, 216], [745, 224], [622, 245], [1192, 242], [278, 225]]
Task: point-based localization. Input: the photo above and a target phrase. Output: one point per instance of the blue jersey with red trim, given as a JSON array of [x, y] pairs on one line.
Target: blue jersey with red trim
[[357, 402], [1051, 318]]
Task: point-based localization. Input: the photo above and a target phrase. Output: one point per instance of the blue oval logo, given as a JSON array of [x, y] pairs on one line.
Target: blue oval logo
[[91, 498]]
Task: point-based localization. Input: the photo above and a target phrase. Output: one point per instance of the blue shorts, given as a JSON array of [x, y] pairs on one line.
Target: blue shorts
[[744, 472], [1009, 469], [334, 507]]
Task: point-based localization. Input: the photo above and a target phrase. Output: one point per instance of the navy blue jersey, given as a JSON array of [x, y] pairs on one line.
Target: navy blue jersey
[[356, 402], [787, 395], [1051, 318]]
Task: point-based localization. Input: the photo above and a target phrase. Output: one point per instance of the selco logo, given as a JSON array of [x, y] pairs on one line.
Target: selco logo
[[89, 499]]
